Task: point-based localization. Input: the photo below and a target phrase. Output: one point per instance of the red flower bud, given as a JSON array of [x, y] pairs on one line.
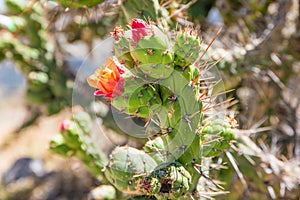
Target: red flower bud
[[140, 29], [66, 125]]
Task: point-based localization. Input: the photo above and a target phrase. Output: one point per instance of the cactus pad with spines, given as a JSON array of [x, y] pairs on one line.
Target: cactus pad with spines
[[217, 137], [127, 167], [186, 48], [162, 85], [170, 181]]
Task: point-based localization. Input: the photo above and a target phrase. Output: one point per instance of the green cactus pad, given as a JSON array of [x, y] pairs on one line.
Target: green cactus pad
[[153, 49], [122, 50], [156, 149], [139, 98], [127, 168], [217, 137], [157, 71]]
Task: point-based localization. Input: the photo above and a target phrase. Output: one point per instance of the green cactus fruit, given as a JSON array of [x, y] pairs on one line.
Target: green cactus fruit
[[171, 180], [220, 128], [186, 48], [127, 168]]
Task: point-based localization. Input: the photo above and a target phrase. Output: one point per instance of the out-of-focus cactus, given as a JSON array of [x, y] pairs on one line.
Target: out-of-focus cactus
[[74, 140], [47, 82], [79, 4]]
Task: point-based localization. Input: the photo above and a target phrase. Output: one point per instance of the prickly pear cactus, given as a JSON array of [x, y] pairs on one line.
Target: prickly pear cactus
[[167, 182], [74, 140], [127, 168], [157, 81], [47, 81], [216, 137]]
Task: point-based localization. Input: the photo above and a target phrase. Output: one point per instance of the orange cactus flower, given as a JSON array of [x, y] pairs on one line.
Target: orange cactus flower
[[108, 79]]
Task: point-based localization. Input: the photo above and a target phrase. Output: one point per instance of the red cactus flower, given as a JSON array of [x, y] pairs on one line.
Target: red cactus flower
[[108, 79], [140, 29]]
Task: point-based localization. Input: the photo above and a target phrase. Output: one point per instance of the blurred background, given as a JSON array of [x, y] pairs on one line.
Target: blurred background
[[43, 45]]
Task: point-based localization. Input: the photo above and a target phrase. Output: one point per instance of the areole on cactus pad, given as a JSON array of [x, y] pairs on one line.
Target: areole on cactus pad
[[154, 78]]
